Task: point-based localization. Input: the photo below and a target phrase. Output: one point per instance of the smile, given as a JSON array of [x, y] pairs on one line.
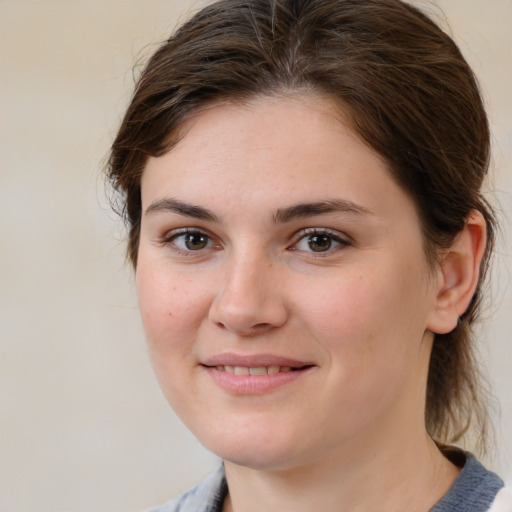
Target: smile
[[258, 370], [254, 375]]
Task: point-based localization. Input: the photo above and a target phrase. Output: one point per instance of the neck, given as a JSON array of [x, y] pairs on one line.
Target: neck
[[412, 476]]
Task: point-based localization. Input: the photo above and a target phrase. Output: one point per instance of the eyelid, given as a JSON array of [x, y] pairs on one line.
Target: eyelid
[[169, 236], [173, 233], [337, 236]]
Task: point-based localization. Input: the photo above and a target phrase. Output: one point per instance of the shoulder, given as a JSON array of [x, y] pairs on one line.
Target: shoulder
[[476, 489], [207, 496], [503, 500]]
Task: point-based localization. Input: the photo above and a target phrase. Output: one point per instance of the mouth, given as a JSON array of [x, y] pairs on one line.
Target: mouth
[[260, 364], [250, 375], [258, 370]]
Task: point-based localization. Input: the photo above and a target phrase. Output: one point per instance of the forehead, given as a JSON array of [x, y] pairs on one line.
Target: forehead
[[268, 152], [269, 128]]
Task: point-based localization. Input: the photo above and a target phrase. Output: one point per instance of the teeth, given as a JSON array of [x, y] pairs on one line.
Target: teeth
[[259, 370]]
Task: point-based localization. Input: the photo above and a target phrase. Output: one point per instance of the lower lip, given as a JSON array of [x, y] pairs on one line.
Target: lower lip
[[253, 384]]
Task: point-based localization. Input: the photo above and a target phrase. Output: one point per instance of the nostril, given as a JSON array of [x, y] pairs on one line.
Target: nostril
[[253, 330], [262, 326], [259, 329]]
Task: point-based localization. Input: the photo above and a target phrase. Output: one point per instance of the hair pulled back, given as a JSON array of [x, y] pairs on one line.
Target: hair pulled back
[[407, 91]]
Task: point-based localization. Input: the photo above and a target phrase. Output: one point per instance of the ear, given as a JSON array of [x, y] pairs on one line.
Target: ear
[[458, 275]]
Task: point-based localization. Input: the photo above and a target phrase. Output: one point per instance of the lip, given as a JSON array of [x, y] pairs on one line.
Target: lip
[[254, 384], [253, 361]]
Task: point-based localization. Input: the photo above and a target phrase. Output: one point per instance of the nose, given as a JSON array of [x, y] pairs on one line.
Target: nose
[[249, 300]]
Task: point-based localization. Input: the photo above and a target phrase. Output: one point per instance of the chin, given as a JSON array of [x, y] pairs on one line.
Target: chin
[[259, 458], [252, 448]]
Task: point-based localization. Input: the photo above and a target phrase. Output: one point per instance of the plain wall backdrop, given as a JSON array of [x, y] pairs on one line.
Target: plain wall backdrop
[[83, 425]]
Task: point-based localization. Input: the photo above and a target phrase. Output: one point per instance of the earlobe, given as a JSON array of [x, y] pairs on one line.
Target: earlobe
[[458, 275]]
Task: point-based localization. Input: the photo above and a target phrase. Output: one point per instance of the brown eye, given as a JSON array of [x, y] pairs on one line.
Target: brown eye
[[319, 243], [190, 241], [195, 241]]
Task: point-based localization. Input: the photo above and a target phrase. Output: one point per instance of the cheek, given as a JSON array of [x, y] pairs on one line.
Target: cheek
[[172, 306], [348, 307], [370, 336], [370, 324], [169, 310]]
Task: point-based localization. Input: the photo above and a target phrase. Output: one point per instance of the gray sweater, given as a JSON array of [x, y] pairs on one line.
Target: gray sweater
[[474, 490]]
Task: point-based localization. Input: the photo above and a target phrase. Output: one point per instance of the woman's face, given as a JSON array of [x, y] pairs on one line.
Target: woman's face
[[283, 286]]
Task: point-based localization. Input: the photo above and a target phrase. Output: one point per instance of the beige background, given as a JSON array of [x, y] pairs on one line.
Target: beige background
[[83, 426]]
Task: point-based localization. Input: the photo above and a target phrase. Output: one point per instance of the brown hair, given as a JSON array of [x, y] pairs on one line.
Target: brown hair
[[409, 94]]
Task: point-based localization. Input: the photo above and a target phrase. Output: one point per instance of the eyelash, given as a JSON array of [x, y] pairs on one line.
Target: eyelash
[[330, 235], [170, 239]]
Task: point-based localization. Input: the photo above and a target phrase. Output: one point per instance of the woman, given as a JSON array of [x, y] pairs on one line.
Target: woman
[[302, 183]]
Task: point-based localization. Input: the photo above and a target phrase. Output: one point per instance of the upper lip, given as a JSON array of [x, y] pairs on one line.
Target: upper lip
[[254, 361]]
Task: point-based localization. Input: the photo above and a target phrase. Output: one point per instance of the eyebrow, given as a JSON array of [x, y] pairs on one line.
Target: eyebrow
[[283, 215], [187, 210], [280, 216]]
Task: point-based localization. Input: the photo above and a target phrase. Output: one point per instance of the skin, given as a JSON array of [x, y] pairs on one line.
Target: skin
[[358, 303]]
